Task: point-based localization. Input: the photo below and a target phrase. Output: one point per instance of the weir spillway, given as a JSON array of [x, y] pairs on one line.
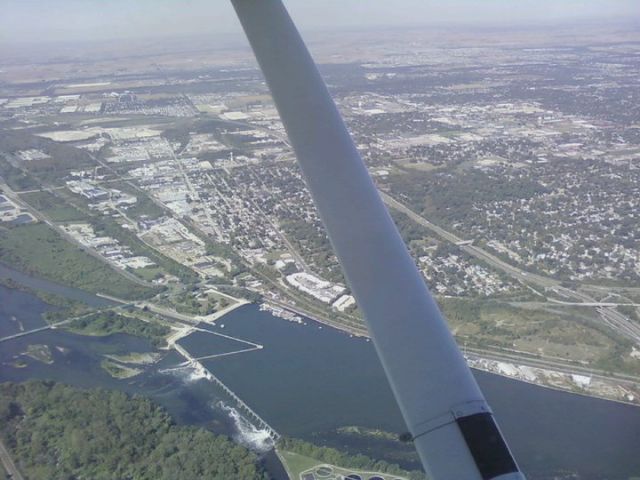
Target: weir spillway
[[243, 408]]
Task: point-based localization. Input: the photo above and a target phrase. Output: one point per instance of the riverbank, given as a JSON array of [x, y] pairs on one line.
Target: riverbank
[[294, 384], [591, 386], [77, 361], [309, 381], [567, 379], [19, 280], [562, 377]]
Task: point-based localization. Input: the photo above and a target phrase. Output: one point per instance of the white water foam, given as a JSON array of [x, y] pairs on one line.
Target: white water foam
[[188, 374], [248, 434]]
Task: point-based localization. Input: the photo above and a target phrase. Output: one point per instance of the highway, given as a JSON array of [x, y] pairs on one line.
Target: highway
[[611, 317], [477, 252], [620, 323]]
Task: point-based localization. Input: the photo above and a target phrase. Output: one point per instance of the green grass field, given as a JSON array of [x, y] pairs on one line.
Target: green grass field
[[53, 207], [40, 251], [148, 273], [569, 333], [297, 465]]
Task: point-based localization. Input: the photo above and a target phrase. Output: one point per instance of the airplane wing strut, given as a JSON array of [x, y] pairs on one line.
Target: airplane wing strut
[[451, 424]]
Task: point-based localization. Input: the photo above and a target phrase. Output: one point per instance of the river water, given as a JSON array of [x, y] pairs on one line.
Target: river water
[[53, 288], [309, 381], [76, 361]]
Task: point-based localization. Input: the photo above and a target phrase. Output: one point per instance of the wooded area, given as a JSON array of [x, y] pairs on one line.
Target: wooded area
[[57, 432]]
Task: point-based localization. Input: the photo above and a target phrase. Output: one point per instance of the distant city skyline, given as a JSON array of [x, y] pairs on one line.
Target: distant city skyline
[[41, 21]]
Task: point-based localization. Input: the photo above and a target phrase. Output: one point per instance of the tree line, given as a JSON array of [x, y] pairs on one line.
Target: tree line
[[58, 432]]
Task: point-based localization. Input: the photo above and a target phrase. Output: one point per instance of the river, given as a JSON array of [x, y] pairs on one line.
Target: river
[[310, 380], [77, 358], [54, 288]]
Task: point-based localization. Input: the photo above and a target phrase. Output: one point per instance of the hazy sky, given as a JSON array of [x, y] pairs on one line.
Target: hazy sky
[[78, 20]]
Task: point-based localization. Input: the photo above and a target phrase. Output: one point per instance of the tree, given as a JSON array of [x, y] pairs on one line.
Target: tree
[[60, 432]]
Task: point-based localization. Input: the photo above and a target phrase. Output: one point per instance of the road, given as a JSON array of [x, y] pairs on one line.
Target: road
[[181, 317], [498, 354], [594, 304], [353, 329], [8, 464], [43, 218], [477, 252], [25, 333], [276, 227], [620, 323], [195, 196], [63, 322], [550, 364], [609, 315]]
